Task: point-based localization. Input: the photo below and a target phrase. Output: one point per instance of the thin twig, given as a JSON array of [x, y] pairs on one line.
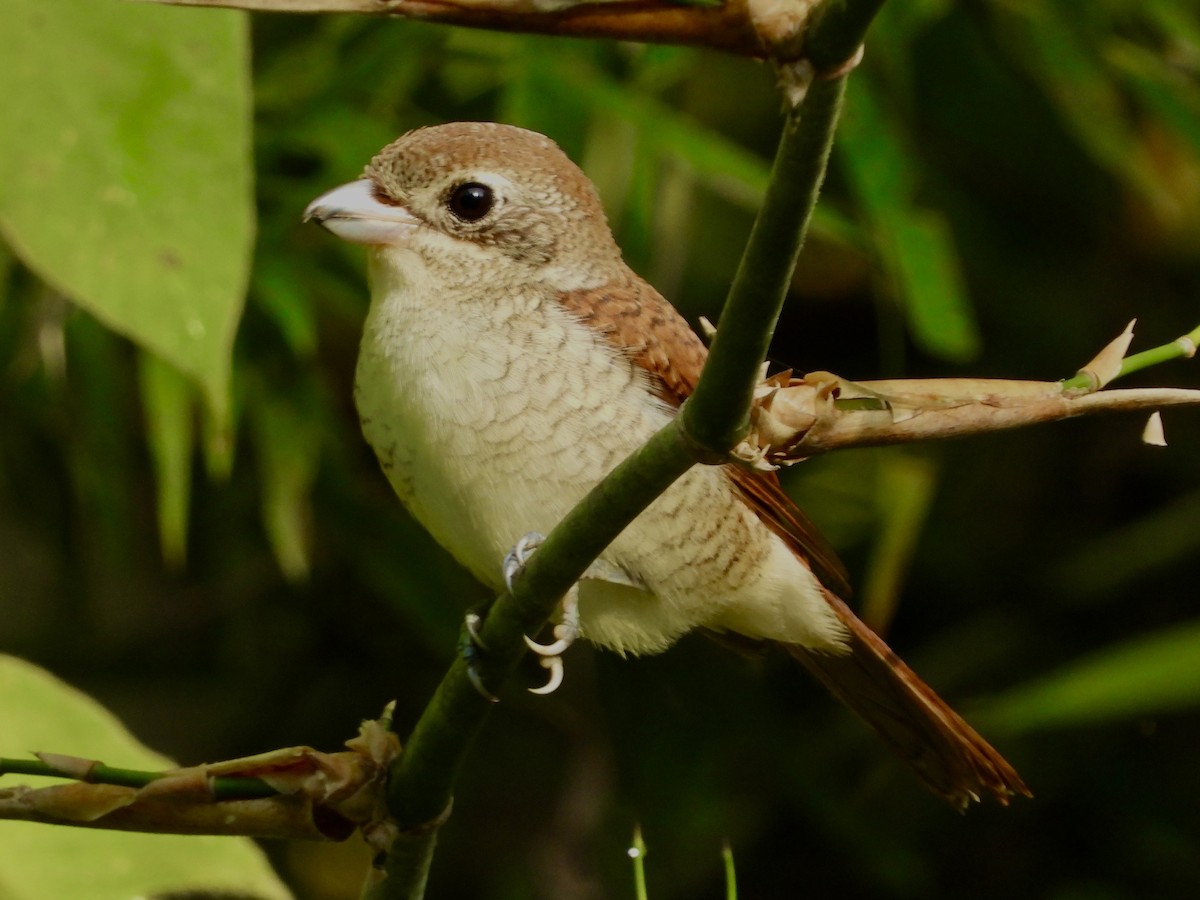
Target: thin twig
[[221, 788]]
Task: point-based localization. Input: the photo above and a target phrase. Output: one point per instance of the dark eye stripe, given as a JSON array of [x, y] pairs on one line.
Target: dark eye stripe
[[379, 195]]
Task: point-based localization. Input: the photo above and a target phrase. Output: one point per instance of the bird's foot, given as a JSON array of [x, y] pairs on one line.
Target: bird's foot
[[471, 647], [515, 559], [565, 632]]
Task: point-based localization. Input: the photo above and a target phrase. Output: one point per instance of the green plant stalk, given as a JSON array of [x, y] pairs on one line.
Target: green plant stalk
[[637, 853], [223, 788], [836, 31], [730, 872], [1181, 348], [717, 414], [406, 872]]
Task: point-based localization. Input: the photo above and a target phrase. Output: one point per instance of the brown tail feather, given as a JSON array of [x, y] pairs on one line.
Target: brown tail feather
[[944, 751]]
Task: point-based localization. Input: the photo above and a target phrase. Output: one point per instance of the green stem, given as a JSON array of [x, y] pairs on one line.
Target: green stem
[[716, 415], [1180, 348], [836, 31], [223, 788], [730, 872], [637, 853]]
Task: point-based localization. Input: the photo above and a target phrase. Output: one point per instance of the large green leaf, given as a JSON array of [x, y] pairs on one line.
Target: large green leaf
[[39, 712], [125, 168]]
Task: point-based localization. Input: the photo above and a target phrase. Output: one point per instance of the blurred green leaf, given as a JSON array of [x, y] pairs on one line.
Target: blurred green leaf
[[1178, 23], [660, 67], [344, 138], [735, 173], [730, 872], [1169, 138], [282, 295], [1150, 674], [287, 446], [877, 164], [1163, 537], [104, 421], [721, 165], [906, 484], [925, 261], [41, 713], [674, 218], [1161, 87], [6, 264], [1056, 50], [305, 73], [125, 169], [167, 401], [915, 245], [610, 158]]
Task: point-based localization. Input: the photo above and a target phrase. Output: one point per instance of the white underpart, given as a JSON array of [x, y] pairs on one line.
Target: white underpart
[[493, 415]]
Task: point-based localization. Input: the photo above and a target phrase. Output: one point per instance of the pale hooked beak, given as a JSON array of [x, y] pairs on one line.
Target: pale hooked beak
[[353, 214]]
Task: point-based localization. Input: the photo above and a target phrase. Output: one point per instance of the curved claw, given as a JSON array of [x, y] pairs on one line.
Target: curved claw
[[516, 558], [548, 651], [565, 632], [555, 665], [480, 687], [471, 622], [471, 646]]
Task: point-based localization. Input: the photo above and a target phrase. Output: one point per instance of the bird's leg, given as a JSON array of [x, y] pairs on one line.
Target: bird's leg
[[565, 632], [471, 646]]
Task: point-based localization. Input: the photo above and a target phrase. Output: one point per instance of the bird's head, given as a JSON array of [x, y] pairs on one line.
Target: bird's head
[[469, 193]]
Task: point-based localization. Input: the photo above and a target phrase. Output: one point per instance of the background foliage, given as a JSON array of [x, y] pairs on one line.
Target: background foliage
[[1012, 183]]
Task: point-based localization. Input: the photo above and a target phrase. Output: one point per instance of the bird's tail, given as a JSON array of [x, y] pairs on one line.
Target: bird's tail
[[941, 748]]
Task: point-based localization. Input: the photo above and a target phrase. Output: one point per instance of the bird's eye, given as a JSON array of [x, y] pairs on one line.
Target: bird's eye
[[471, 201]]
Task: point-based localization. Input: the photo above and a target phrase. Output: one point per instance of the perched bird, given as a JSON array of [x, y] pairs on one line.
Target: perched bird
[[511, 359]]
